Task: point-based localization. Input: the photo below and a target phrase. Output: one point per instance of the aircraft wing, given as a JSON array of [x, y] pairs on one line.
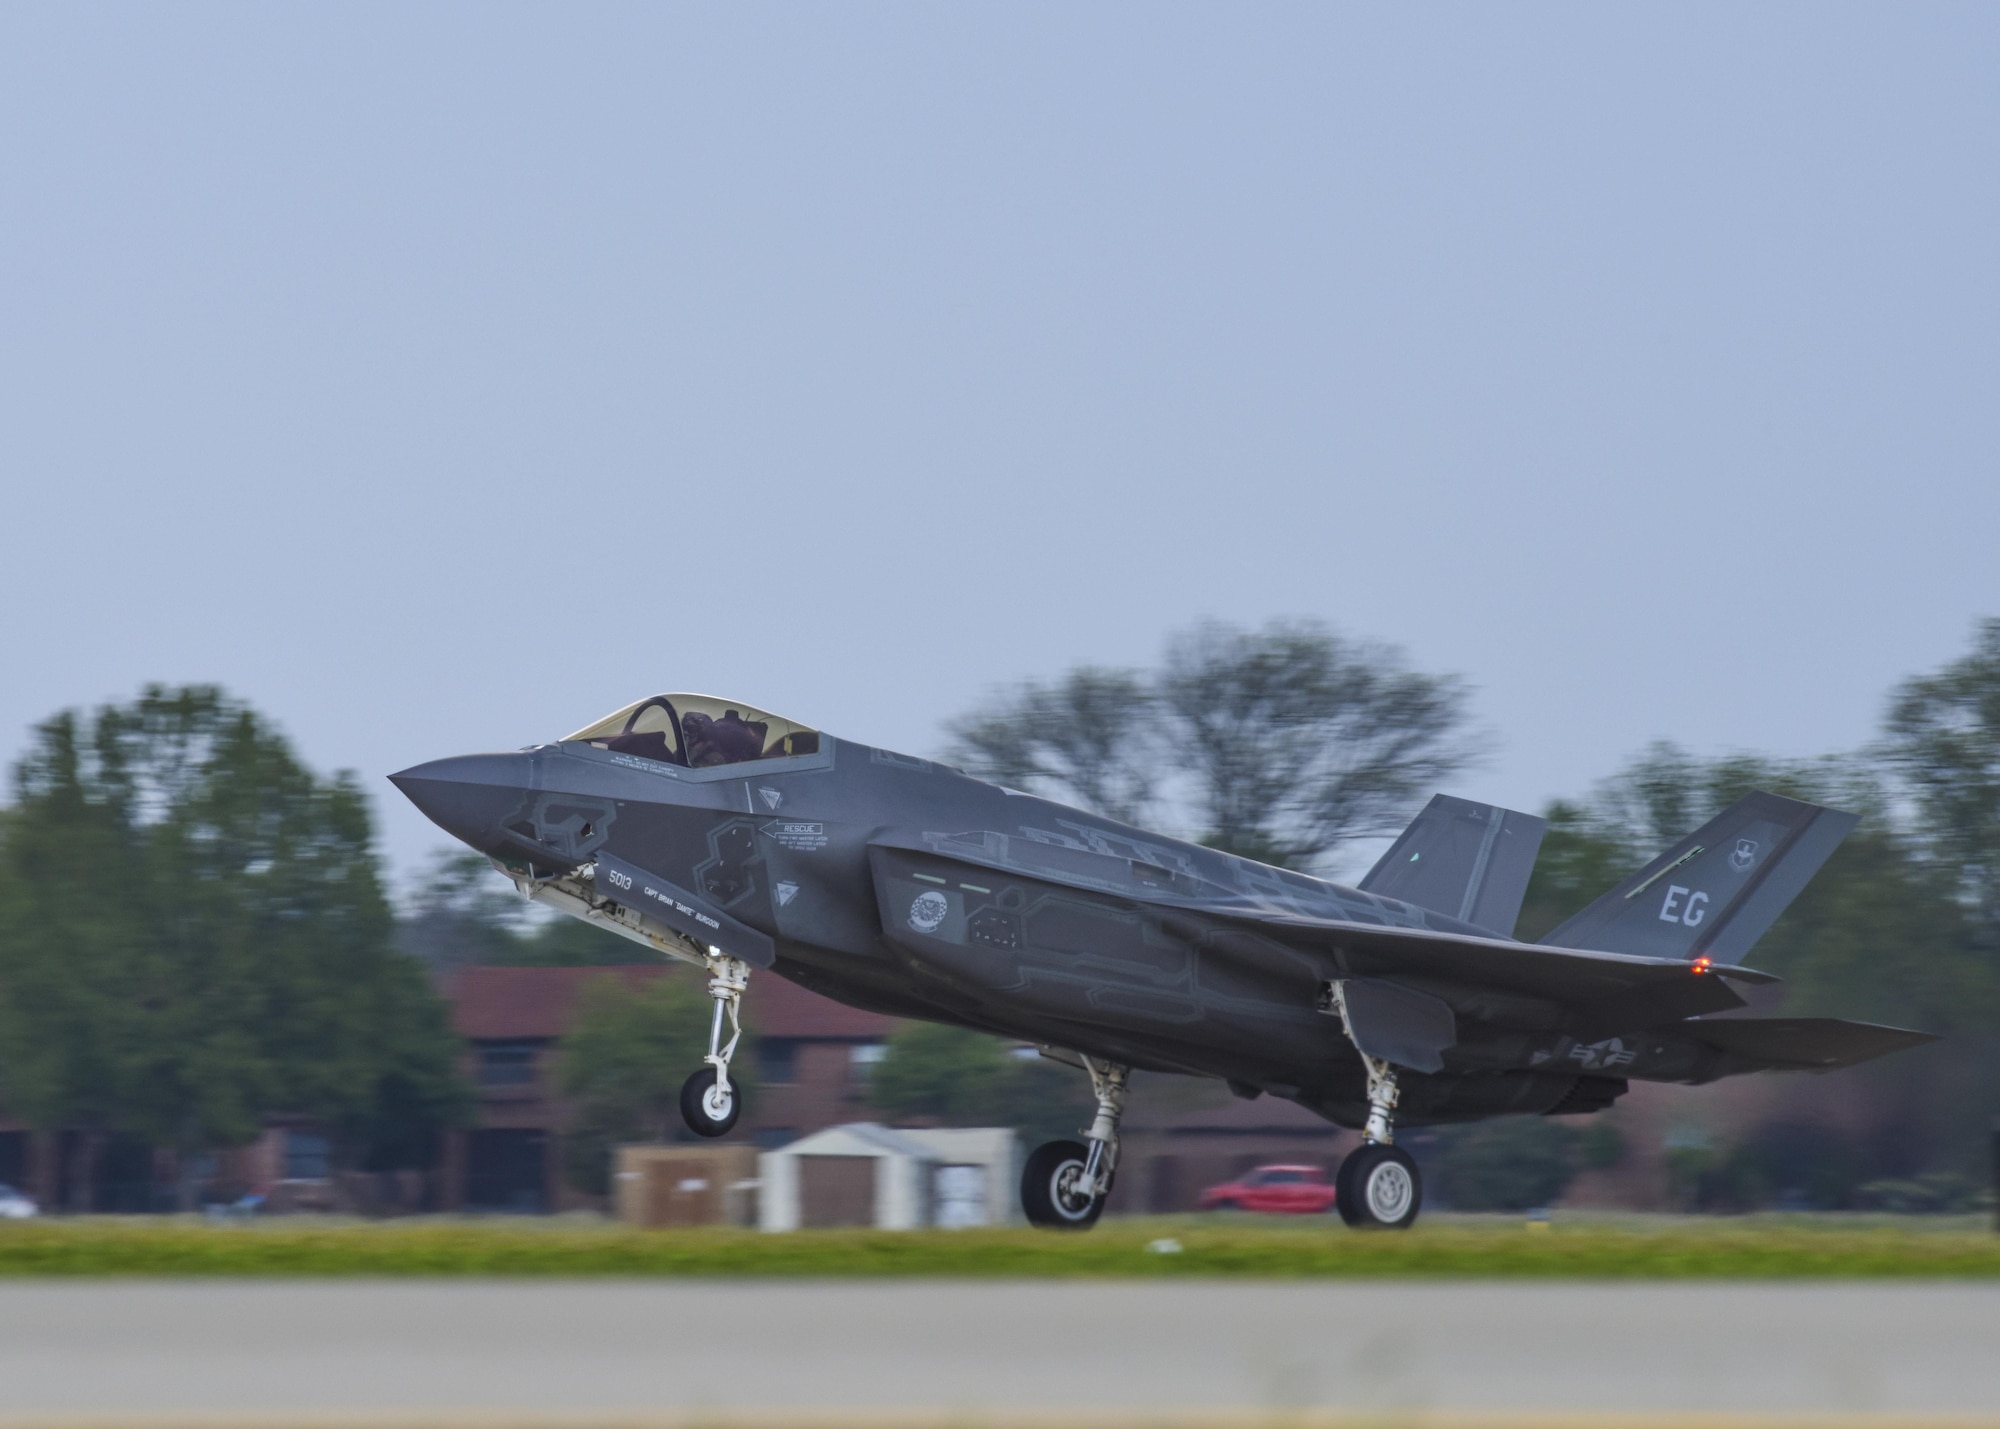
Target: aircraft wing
[[1572, 976], [1606, 994], [1667, 988]]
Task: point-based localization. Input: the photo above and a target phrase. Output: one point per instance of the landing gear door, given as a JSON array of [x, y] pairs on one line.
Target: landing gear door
[[686, 913]]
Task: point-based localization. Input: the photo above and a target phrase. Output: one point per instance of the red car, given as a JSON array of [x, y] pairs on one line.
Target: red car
[[1298, 1190]]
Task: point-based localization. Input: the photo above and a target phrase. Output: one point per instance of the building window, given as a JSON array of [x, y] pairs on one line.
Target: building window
[[308, 1156], [862, 1057], [777, 1060], [506, 1064]]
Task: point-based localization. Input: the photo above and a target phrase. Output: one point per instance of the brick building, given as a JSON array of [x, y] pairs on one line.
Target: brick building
[[290, 1162], [810, 1061]]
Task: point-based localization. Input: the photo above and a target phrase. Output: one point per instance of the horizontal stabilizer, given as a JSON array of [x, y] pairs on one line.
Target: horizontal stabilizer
[[1714, 893], [1467, 861], [1805, 1043]]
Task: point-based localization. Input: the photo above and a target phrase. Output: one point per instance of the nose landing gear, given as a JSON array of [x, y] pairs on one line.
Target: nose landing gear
[[710, 1103], [1064, 1183], [1054, 1191]]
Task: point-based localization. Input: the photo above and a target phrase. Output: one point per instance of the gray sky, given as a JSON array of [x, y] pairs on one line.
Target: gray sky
[[441, 377]]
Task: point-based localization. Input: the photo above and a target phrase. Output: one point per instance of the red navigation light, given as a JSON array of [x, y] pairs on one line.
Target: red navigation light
[[1702, 965]]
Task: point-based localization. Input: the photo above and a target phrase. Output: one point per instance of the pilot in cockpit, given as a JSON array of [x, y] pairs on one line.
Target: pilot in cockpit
[[729, 740], [687, 730]]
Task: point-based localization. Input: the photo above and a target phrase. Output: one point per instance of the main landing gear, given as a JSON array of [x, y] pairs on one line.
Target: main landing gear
[[1378, 1184], [710, 1102], [1064, 1183]]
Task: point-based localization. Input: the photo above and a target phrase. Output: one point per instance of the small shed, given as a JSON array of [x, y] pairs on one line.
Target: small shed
[[862, 1174], [686, 1185], [976, 1179]]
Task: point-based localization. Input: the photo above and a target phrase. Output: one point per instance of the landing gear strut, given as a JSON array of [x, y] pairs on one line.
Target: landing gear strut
[[710, 1102], [1378, 1185], [1064, 1183]]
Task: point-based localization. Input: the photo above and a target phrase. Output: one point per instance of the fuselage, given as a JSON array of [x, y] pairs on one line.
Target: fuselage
[[718, 833], [1047, 952]]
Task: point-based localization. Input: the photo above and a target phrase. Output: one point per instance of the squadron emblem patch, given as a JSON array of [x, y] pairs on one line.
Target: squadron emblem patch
[[929, 910]]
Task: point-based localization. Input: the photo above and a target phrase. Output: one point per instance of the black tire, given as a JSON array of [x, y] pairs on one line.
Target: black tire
[[699, 1107], [1048, 1188], [1343, 1194], [1378, 1188]]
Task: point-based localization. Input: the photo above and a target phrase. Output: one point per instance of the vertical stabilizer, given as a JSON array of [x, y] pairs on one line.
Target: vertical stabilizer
[[1715, 892], [1467, 861]]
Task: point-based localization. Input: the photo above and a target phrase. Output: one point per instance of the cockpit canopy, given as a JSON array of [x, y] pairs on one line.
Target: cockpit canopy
[[698, 732]]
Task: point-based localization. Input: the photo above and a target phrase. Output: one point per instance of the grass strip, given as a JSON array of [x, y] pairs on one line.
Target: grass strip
[[96, 1247]]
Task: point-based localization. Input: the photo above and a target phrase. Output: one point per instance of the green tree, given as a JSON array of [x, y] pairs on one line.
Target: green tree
[[1092, 739], [1298, 739], [1580, 858], [1667, 792], [193, 937], [1279, 744], [1877, 935], [624, 1062], [1943, 741], [1512, 1163], [931, 1072], [462, 912]]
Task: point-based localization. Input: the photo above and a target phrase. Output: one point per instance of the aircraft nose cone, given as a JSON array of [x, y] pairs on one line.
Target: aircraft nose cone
[[471, 796]]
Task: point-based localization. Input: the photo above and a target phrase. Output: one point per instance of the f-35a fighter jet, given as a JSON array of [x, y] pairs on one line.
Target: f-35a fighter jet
[[725, 837]]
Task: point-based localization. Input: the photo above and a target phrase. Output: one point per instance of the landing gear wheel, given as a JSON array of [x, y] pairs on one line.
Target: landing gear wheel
[[1052, 1189], [1378, 1186], [707, 1109]]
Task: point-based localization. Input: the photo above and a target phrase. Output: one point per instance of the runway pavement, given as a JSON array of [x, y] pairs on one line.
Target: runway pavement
[[470, 1351]]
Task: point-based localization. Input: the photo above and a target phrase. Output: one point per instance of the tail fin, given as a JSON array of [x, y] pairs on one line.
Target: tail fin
[[1467, 861], [1715, 892]]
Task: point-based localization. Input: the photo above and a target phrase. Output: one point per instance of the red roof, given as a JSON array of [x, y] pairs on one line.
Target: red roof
[[491, 1003]]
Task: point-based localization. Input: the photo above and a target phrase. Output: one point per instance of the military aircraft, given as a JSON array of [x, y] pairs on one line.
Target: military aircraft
[[725, 837]]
